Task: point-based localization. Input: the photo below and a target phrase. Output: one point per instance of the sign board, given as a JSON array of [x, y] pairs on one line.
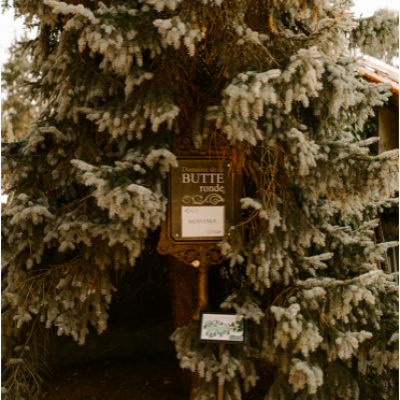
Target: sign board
[[201, 201], [222, 328]]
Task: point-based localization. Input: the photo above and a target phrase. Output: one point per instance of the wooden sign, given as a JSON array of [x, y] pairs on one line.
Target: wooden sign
[[201, 200], [222, 328], [204, 194]]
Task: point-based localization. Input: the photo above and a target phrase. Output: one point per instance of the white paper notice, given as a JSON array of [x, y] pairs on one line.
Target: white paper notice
[[203, 221]]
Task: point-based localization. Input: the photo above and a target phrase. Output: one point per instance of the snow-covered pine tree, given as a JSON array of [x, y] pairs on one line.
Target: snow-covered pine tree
[[17, 108], [378, 35], [121, 79]]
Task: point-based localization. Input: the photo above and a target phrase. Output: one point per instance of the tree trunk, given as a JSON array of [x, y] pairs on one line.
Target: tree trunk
[[184, 287]]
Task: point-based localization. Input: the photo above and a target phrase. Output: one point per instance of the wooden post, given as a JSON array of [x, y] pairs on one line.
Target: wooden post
[[202, 292], [220, 395], [202, 302], [184, 292], [388, 127]]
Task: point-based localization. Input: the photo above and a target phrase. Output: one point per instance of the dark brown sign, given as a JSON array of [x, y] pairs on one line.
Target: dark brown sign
[[202, 200]]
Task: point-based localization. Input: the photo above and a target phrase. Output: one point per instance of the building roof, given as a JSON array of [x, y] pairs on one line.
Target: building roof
[[378, 71]]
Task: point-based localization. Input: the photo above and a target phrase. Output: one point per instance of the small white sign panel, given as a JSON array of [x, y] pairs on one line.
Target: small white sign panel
[[203, 221], [215, 327]]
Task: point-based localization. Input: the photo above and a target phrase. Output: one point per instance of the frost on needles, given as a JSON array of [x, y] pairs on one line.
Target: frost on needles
[[119, 81]]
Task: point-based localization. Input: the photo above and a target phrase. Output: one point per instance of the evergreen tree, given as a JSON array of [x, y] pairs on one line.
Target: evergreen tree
[[17, 105], [121, 79], [378, 36]]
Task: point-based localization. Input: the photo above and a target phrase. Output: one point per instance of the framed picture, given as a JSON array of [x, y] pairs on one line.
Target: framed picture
[[222, 328]]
